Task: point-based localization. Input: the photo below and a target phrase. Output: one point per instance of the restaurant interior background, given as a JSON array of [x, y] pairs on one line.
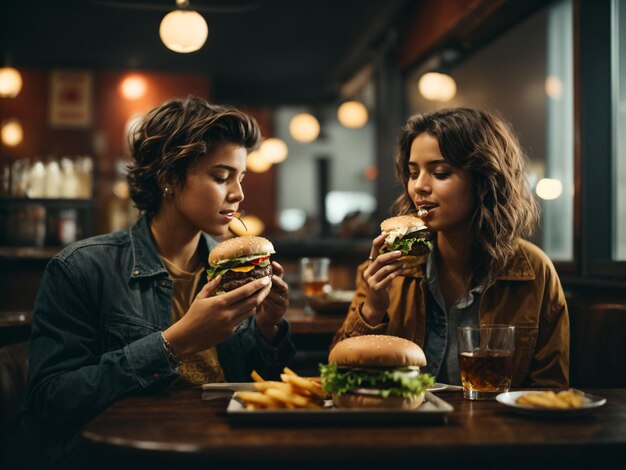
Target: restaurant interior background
[[90, 68]]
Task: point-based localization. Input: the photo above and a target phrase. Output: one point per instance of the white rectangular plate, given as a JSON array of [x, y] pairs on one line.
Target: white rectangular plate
[[433, 410]]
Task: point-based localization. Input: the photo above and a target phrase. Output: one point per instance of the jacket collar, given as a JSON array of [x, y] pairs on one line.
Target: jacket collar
[[517, 269], [146, 259]]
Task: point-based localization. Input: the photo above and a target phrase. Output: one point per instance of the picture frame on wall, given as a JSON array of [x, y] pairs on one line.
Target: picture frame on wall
[[71, 99]]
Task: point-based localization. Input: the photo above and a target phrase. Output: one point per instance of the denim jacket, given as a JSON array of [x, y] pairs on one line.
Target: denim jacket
[[527, 294], [96, 335]]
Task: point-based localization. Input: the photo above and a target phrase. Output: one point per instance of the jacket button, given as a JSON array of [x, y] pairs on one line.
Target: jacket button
[[135, 273], [163, 283], [156, 376]]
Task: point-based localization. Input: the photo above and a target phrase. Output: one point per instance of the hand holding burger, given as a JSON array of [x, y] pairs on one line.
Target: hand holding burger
[[403, 245], [376, 371], [243, 259], [240, 260], [409, 235]]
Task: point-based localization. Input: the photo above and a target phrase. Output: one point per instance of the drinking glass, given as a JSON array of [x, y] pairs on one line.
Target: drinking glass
[[314, 277], [486, 360]]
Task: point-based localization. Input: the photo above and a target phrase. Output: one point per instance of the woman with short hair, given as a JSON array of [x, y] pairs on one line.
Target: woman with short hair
[[132, 311]]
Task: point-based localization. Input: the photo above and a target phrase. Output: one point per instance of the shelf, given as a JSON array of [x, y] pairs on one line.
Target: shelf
[[48, 202], [28, 253]]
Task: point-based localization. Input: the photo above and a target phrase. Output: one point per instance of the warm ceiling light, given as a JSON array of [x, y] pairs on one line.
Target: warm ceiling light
[[554, 87], [437, 86], [352, 114], [304, 127], [247, 224], [257, 163], [12, 132], [10, 82], [183, 30], [133, 87], [273, 150], [548, 188]]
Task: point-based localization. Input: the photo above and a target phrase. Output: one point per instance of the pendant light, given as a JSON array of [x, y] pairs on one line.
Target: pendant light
[[11, 132], [257, 163], [183, 30], [549, 188], [437, 86], [273, 150], [352, 114], [10, 82], [133, 87], [304, 127]]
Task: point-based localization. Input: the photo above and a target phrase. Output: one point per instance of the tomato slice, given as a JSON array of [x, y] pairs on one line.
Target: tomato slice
[[258, 261]]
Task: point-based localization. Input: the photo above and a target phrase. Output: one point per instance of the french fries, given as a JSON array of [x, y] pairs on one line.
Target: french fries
[[293, 392], [566, 399]]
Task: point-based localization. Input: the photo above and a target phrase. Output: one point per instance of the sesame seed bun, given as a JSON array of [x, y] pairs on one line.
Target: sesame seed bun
[[408, 222], [377, 351], [240, 246]]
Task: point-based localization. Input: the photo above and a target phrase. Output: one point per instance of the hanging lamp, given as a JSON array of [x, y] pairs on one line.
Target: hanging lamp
[[183, 30]]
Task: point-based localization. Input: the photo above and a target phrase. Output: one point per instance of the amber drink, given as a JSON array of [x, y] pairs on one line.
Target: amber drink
[[312, 288], [314, 277], [486, 360]]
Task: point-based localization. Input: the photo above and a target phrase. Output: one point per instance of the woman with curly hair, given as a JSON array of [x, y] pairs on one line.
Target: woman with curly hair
[[132, 311], [465, 169]]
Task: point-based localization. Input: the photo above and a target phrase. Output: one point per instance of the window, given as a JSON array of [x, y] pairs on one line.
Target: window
[[527, 76], [558, 213], [618, 79]]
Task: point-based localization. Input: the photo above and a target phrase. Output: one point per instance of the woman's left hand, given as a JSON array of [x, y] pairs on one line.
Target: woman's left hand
[[271, 311]]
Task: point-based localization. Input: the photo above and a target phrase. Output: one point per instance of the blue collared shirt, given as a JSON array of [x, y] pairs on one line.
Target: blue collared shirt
[[440, 344], [96, 336]]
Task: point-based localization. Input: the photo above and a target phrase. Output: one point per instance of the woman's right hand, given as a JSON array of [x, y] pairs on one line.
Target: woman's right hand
[[212, 319], [378, 276]]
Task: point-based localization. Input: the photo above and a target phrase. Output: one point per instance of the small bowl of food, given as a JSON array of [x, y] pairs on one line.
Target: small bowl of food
[[335, 302]]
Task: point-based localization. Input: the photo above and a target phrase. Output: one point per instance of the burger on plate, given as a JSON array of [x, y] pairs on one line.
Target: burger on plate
[[408, 234], [240, 260], [376, 371]]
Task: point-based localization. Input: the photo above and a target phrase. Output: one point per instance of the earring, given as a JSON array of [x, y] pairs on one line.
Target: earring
[[168, 191]]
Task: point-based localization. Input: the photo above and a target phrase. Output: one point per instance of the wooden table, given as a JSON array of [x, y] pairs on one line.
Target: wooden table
[[306, 324], [183, 430]]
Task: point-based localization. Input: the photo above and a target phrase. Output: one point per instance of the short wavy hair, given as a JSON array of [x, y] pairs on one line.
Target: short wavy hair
[[173, 136], [485, 145]]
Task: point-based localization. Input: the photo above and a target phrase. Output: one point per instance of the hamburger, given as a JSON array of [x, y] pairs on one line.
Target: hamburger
[[408, 234], [376, 371], [240, 260]]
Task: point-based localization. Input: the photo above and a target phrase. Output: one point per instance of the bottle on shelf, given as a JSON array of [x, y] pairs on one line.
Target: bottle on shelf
[[20, 176], [71, 184], [36, 180], [53, 183], [84, 172]]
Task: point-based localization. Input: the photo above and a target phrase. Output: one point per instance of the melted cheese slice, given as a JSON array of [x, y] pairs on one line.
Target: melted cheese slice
[[242, 269], [401, 232]]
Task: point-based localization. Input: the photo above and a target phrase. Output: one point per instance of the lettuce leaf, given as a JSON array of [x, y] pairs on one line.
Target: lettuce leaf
[[405, 244], [220, 268], [391, 382]]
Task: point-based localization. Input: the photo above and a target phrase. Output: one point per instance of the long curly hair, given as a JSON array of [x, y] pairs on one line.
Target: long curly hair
[[485, 145], [173, 136]]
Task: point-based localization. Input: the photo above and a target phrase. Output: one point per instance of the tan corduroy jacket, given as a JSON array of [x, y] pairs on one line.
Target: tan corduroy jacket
[[526, 294]]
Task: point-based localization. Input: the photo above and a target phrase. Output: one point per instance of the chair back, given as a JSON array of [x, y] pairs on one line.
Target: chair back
[[598, 345]]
